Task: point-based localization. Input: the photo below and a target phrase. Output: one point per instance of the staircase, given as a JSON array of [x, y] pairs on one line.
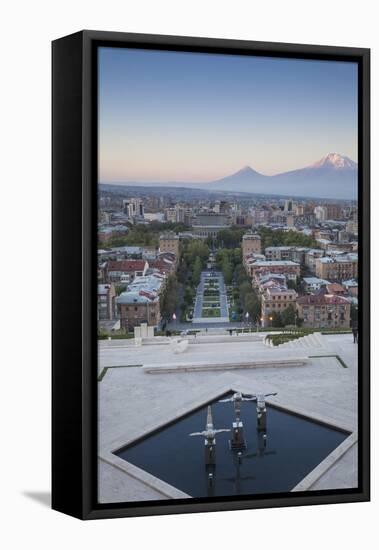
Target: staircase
[[313, 340]]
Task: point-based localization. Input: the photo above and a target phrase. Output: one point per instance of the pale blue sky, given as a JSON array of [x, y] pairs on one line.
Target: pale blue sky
[[182, 116]]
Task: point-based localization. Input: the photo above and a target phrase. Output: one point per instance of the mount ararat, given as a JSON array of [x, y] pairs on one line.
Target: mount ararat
[[332, 177]]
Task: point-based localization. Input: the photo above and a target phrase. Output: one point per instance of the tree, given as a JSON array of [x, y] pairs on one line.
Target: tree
[[276, 319], [285, 238], [188, 295], [195, 249], [229, 238], [227, 271], [245, 289], [240, 274], [253, 306], [169, 298], [237, 256], [196, 271], [183, 271], [289, 316]]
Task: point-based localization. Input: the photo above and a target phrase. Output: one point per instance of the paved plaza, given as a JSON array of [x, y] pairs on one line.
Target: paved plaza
[[137, 394]]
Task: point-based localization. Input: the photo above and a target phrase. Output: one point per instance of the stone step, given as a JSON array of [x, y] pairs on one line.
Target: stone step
[[193, 367]]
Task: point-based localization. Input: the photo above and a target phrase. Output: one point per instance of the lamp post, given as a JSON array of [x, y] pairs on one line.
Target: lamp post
[[247, 318], [270, 318]]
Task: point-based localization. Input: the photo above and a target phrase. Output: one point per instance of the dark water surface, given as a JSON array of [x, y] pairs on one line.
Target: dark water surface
[[294, 446]]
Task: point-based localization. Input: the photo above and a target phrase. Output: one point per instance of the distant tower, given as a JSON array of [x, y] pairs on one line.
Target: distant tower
[[288, 205], [251, 244]]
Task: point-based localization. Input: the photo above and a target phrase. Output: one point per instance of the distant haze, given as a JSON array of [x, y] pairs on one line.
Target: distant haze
[[168, 117], [333, 177]]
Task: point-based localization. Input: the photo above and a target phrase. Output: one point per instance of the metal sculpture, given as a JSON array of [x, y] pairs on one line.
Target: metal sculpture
[[237, 399], [209, 435], [238, 439]]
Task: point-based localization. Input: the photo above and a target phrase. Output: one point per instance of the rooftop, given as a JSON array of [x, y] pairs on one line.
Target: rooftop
[[253, 236], [103, 289], [272, 263], [322, 299], [126, 265], [169, 235], [136, 297], [315, 281], [346, 258], [283, 248]]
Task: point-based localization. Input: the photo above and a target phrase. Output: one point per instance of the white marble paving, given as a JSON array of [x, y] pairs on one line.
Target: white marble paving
[[133, 402]]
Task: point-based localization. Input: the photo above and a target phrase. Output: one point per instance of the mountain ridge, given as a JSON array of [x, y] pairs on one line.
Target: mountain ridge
[[334, 176]]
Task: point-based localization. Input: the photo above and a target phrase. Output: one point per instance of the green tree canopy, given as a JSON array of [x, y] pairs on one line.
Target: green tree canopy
[[170, 297], [196, 271], [289, 316], [270, 237]]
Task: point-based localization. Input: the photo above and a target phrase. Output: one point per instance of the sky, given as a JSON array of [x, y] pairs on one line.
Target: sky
[[194, 117]]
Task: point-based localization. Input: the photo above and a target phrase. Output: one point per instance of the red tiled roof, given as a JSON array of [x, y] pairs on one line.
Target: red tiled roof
[[335, 287], [126, 265], [161, 265]]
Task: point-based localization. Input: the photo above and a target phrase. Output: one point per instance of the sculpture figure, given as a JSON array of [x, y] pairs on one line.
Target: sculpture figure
[[261, 409], [209, 435], [237, 399], [238, 440]]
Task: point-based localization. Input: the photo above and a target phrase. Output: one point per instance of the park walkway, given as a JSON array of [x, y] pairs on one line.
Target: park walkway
[[221, 298]]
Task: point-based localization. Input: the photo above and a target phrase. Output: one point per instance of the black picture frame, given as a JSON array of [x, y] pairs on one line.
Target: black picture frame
[[74, 175]]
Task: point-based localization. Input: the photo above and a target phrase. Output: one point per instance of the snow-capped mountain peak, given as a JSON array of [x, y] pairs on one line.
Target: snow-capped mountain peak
[[336, 161], [246, 170]]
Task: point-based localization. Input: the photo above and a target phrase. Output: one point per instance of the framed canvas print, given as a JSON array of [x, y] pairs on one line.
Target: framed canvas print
[[210, 274]]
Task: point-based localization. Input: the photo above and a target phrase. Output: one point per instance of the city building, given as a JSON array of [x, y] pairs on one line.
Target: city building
[[102, 272], [107, 232], [257, 268], [279, 252], [321, 213], [169, 242], [352, 227], [298, 254], [338, 268], [125, 271], [313, 284], [171, 215], [333, 211], [323, 243], [324, 311], [251, 244], [276, 299], [136, 308], [133, 208], [311, 257], [209, 223], [106, 302], [165, 263], [299, 210], [154, 216], [351, 287], [289, 205], [140, 302], [336, 289]]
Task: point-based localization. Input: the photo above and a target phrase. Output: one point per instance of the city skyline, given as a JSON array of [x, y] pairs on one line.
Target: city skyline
[[170, 116]]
